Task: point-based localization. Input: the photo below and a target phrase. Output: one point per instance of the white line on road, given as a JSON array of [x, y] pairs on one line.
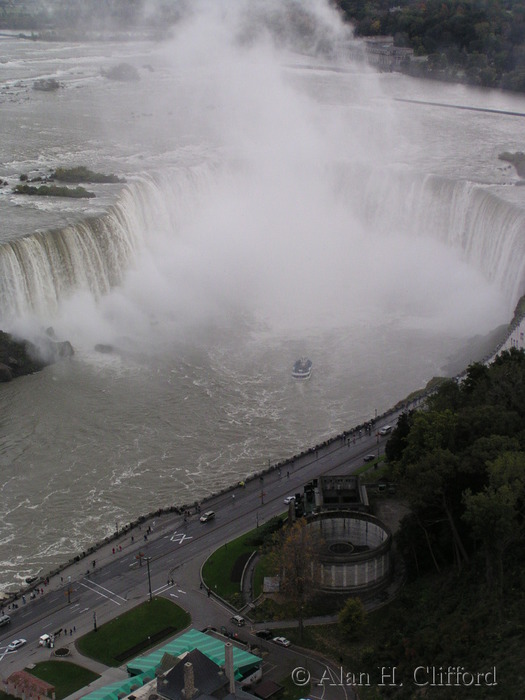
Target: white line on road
[[179, 537], [102, 594], [93, 583]]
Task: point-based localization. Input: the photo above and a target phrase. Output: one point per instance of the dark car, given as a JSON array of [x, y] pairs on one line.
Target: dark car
[[263, 634], [369, 458]]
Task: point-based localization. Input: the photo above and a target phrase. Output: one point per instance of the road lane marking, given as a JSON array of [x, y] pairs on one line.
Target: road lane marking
[[179, 537], [107, 590], [103, 595]]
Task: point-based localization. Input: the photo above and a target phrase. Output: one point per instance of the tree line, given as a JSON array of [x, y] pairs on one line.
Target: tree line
[[461, 465], [479, 42]]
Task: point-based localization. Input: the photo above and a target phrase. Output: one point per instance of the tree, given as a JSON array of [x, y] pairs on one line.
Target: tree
[[295, 558], [398, 439], [431, 484], [352, 618], [496, 515]]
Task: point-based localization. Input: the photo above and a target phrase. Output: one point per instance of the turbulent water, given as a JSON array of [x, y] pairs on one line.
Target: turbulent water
[[274, 208]]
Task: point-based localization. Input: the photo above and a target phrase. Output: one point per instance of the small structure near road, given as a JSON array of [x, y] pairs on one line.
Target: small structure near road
[[25, 686], [356, 556]]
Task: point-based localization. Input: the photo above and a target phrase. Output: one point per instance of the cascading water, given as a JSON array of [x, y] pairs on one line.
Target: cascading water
[[486, 231], [40, 271]]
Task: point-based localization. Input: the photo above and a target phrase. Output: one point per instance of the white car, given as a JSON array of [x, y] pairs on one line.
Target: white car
[[16, 644], [289, 499], [207, 516], [282, 641]]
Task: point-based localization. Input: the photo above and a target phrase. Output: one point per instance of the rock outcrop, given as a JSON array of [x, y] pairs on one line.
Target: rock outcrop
[[19, 357]]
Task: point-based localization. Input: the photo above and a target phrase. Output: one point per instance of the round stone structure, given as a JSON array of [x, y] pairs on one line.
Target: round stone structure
[[356, 551]]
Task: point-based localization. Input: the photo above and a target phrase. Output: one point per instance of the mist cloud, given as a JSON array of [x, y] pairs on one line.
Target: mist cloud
[[272, 235]]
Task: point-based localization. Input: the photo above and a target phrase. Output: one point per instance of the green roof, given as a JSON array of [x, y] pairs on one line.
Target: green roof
[[115, 690], [193, 639], [142, 669]]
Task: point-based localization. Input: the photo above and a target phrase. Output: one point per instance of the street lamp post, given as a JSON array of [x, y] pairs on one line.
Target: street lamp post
[[94, 621], [149, 579]]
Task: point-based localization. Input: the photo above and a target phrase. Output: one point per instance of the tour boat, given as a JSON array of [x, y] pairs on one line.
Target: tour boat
[[302, 368]]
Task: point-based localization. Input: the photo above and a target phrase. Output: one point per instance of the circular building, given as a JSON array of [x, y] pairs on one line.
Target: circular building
[[356, 551]]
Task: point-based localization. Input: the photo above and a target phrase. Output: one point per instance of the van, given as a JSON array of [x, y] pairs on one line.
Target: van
[[238, 620], [385, 430], [4, 620], [208, 515]]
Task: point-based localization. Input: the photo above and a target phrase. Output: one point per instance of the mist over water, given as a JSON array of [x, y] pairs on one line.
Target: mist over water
[[269, 232], [279, 203]]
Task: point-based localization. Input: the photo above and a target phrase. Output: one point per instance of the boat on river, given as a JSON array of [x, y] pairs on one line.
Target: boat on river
[[302, 368]]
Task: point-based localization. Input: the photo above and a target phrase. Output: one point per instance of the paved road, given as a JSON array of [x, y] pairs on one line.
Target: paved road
[[168, 562]]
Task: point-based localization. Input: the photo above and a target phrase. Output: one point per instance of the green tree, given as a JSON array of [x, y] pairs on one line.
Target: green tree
[[496, 515], [352, 619]]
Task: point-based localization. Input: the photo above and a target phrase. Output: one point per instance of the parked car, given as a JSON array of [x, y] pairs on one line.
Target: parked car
[[289, 499], [208, 515], [385, 430], [264, 634], [369, 458], [238, 620], [281, 641], [16, 644]]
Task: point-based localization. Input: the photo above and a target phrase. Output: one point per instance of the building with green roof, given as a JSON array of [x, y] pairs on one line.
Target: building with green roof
[[144, 669]]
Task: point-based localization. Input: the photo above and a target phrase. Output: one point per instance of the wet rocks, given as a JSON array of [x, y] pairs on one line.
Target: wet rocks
[[19, 357]]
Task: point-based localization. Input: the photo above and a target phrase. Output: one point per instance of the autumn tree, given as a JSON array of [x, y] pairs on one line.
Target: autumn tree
[[295, 559]]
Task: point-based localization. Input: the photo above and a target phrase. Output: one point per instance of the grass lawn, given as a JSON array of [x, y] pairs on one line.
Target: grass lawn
[[132, 633], [219, 571], [222, 570], [64, 675]]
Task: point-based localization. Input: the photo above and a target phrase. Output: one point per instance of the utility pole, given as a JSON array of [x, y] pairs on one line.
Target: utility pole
[[149, 579], [94, 622]]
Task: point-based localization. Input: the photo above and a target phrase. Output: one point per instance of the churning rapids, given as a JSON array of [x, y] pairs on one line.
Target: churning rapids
[[274, 208]]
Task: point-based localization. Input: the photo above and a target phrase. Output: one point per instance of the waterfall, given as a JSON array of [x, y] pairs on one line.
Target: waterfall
[[42, 269], [487, 231]]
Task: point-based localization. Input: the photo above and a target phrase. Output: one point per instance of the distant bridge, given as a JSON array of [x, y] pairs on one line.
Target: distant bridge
[[471, 109]]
